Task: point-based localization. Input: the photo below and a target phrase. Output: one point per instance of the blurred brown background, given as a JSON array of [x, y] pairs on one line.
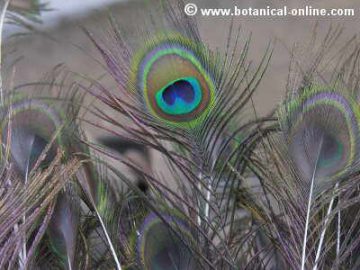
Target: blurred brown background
[[39, 53]]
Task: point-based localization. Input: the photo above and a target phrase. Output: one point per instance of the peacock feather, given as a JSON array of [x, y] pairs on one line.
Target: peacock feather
[[314, 161], [175, 89], [185, 174], [179, 95], [321, 127], [28, 141], [171, 251], [31, 157]]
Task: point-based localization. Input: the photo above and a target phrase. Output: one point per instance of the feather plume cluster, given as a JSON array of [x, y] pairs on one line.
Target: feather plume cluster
[[234, 191]]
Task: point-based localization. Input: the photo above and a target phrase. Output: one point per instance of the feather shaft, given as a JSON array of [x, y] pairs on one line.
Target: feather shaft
[[307, 221], [111, 246], [338, 234], [322, 236], [208, 197], [90, 190]]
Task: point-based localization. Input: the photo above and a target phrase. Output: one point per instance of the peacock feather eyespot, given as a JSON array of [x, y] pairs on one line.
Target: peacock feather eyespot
[[159, 247], [324, 131], [173, 81], [29, 126]]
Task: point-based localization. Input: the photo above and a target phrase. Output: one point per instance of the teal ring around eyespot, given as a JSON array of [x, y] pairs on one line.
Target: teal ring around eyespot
[[180, 107]]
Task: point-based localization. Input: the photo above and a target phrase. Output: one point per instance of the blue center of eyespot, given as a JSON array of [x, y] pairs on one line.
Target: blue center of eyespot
[[179, 97], [181, 89]]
